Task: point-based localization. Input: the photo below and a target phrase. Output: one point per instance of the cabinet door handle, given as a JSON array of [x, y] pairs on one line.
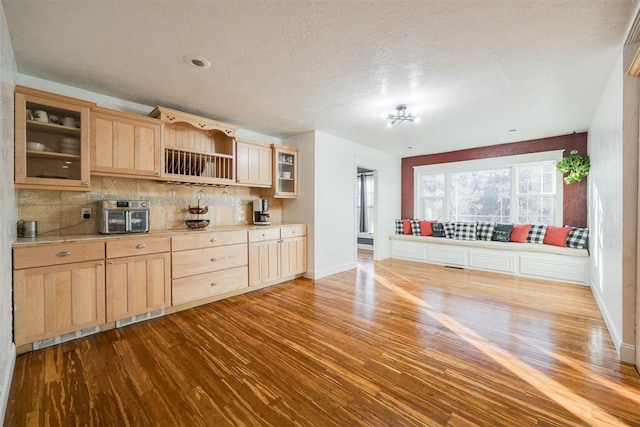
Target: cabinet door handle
[[141, 246], [63, 254], [101, 263], [213, 284], [264, 234], [110, 262], [214, 259], [85, 183], [213, 240]]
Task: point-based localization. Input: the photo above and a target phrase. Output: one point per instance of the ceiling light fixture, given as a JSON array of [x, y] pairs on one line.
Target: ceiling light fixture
[[198, 62], [400, 116]]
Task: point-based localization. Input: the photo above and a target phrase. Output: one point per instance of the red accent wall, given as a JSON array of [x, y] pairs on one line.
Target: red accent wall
[[575, 195]]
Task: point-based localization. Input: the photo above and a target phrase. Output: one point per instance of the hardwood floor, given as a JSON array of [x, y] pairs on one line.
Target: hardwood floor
[[393, 343]]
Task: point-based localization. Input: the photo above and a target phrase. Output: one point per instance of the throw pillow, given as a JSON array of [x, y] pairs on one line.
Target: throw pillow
[[399, 226], [536, 234], [415, 227], [465, 231], [438, 229], [406, 226], [449, 229], [520, 233], [578, 238], [485, 230], [557, 236], [502, 232], [426, 228]]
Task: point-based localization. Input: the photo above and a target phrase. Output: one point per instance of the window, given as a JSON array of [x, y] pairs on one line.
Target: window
[[365, 218], [518, 189]]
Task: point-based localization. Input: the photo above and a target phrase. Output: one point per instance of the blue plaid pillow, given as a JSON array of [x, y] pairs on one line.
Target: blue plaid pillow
[[465, 231], [399, 226], [536, 234], [578, 238], [485, 230], [449, 229]]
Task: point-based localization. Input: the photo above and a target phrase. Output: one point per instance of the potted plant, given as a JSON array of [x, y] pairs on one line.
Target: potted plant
[[574, 167]]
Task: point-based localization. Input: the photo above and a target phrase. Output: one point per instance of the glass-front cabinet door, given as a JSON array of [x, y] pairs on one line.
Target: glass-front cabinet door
[[285, 180], [51, 141]]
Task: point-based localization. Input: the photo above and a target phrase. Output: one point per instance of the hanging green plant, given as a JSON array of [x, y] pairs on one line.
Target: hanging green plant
[[574, 167]]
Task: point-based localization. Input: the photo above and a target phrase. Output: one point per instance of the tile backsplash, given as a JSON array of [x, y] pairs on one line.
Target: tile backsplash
[[58, 212]]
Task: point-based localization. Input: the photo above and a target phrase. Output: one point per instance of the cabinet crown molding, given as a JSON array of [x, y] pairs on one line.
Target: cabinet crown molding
[[168, 115]]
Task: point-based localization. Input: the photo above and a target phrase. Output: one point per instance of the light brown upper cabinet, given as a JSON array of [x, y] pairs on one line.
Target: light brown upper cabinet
[[124, 144], [196, 149], [51, 141], [285, 172], [254, 164]]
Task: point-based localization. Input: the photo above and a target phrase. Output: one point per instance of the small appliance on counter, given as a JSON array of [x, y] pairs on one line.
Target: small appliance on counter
[[261, 212], [123, 216], [27, 228]]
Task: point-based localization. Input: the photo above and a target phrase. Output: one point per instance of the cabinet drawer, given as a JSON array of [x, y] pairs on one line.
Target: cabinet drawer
[[264, 234], [64, 253], [134, 246], [208, 240], [293, 231], [197, 261], [207, 285]]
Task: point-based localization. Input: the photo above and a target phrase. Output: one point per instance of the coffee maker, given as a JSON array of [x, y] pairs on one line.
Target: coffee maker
[[261, 212]]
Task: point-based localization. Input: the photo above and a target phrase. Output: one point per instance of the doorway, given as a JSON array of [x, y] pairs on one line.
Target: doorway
[[365, 208]]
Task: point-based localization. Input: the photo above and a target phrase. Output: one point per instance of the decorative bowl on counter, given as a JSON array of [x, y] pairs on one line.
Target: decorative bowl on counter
[[197, 223], [198, 210]]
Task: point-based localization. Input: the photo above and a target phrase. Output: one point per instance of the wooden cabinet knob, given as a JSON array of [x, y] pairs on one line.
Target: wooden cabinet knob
[[213, 240], [141, 246], [63, 254]]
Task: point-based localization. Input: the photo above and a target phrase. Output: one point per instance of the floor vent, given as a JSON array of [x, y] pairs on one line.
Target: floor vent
[[454, 266], [139, 318], [66, 337]]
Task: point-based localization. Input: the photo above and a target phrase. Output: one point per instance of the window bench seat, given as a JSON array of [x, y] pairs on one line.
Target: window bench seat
[[523, 259]]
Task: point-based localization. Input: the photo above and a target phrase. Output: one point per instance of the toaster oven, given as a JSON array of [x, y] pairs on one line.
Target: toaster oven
[[123, 216]]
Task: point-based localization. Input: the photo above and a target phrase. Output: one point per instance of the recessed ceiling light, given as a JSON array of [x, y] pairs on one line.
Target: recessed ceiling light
[[410, 147], [198, 62], [512, 130]]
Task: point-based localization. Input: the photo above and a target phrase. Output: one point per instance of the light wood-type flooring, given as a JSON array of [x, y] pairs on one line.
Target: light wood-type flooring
[[392, 343]]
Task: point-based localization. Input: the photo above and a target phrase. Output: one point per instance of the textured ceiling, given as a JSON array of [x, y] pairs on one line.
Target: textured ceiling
[[471, 69]]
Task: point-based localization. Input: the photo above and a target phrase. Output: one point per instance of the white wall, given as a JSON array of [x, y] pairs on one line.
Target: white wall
[[332, 237], [611, 177], [8, 211]]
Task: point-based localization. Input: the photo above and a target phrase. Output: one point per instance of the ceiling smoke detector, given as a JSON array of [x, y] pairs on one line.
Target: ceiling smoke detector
[[198, 62], [400, 116]]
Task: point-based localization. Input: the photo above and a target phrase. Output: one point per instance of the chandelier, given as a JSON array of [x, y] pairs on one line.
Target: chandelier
[[400, 116]]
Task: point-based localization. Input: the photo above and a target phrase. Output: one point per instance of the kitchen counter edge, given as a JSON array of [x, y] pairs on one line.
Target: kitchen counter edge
[[44, 240]]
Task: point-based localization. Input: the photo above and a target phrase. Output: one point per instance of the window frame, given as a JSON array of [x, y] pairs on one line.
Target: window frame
[[512, 162]]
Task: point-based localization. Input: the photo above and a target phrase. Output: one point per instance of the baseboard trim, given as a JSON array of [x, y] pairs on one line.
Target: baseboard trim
[[628, 353], [5, 385], [614, 334], [318, 274]]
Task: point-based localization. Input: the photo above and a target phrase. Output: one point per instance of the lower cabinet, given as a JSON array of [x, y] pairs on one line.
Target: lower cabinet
[[277, 254], [137, 284], [208, 265], [57, 299], [293, 256]]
